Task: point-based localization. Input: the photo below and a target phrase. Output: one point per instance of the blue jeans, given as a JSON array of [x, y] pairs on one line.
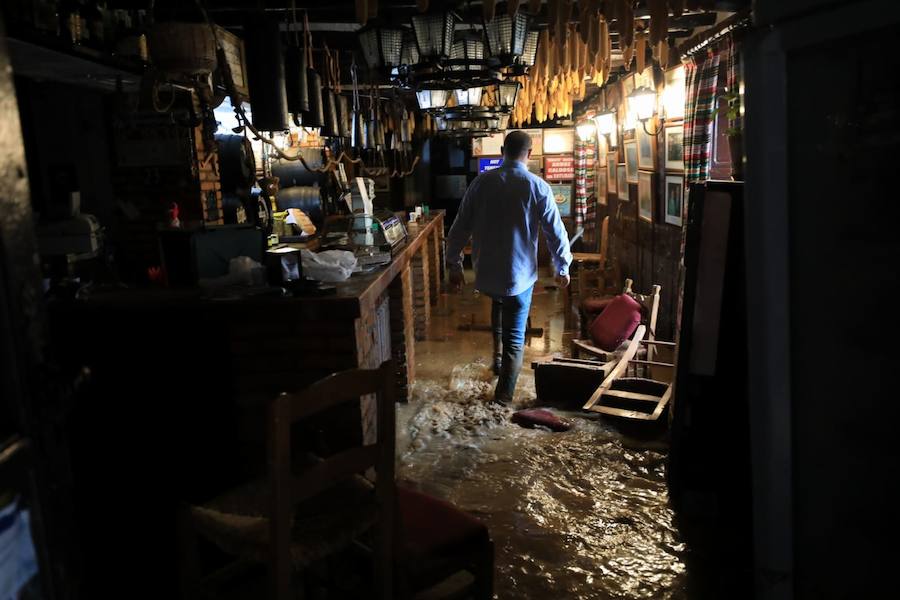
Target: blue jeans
[[509, 318]]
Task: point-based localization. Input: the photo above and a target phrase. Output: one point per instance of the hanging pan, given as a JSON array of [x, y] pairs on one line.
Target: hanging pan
[[315, 116]]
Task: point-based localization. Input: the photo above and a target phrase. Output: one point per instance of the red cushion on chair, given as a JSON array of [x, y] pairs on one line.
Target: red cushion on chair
[[616, 323], [595, 305], [430, 526]]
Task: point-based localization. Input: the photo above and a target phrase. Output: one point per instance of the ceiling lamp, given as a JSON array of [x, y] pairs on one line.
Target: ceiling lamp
[[467, 52], [432, 100], [606, 125], [507, 92], [409, 51], [468, 96], [381, 46], [506, 36], [530, 52], [434, 35]]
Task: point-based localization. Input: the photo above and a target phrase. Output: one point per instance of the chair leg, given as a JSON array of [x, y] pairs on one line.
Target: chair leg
[[483, 570], [188, 560]]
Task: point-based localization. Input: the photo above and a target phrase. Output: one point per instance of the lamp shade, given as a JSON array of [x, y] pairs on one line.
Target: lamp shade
[[432, 99], [506, 36], [586, 131], [434, 34], [468, 96], [643, 102], [531, 45], [504, 122], [467, 53], [409, 51], [606, 122], [381, 46], [507, 91]]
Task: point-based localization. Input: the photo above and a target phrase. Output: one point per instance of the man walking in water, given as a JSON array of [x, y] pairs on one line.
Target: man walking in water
[[501, 212]]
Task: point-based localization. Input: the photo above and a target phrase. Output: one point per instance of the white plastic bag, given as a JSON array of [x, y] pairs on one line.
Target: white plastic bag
[[329, 266]]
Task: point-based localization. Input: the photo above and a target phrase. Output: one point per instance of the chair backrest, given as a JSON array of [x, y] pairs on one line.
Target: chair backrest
[[651, 304], [604, 237], [288, 488]]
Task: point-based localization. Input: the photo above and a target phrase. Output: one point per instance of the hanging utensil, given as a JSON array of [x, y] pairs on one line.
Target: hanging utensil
[[330, 126], [315, 116], [358, 130], [295, 69]]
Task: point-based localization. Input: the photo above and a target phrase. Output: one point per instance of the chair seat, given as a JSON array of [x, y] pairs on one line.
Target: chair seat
[[237, 521], [432, 527]]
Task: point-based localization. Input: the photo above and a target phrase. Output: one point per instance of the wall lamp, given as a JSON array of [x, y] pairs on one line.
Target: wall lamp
[[642, 101], [585, 130], [606, 125]]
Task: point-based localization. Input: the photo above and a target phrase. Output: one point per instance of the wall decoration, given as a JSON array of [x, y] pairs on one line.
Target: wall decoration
[[562, 194], [537, 140], [601, 185], [622, 184], [646, 149], [611, 172], [535, 165], [674, 199], [559, 168], [631, 161], [488, 146], [645, 195], [559, 141], [673, 94], [674, 148]]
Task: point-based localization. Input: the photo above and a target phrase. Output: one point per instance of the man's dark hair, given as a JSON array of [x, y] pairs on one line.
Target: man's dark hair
[[516, 145]]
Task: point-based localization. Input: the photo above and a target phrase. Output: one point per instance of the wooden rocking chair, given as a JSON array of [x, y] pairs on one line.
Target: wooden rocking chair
[[629, 393]]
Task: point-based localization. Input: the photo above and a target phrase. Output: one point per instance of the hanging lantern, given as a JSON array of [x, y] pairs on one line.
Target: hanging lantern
[[434, 34], [409, 51], [381, 46], [507, 92], [606, 125], [504, 122], [468, 96], [586, 130], [529, 54], [432, 99], [506, 36], [467, 53]]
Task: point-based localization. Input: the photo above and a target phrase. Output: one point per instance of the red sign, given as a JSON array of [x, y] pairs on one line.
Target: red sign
[[559, 168]]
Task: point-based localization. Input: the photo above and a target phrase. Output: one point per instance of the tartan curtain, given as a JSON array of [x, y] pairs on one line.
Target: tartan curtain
[[585, 153], [701, 76]]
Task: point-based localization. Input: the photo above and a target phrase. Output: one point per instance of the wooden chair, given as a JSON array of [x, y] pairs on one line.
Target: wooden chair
[[639, 356], [592, 274], [306, 511]]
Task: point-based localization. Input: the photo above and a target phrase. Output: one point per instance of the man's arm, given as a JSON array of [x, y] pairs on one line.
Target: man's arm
[[554, 233], [461, 230]]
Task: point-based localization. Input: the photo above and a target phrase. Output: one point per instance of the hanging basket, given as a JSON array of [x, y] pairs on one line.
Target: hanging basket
[[183, 48]]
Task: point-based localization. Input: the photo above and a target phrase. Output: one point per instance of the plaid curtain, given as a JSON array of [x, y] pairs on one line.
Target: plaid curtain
[[585, 153], [701, 75]]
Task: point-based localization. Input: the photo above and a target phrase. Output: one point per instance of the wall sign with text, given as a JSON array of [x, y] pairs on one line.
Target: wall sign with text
[[489, 164], [559, 168]]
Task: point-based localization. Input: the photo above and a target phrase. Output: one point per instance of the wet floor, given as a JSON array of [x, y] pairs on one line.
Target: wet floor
[[582, 514]]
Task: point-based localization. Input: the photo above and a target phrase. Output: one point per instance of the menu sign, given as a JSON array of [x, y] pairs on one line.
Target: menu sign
[[559, 168], [489, 164]]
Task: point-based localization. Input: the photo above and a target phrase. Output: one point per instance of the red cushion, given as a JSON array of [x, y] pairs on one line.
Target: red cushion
[[616, 323], [595, 305], [430, 526], [530, 417]]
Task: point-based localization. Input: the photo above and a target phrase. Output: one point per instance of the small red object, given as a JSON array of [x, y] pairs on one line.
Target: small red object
[[616, 323], [530, 417]]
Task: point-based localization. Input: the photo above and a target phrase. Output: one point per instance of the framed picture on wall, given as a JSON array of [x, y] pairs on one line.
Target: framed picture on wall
[[673, 93], [622, 184], [631, 161], [674, 199], [646, 148], [674, 150], [645, 195], [562, 194], [537, 140], [611, 173], [559, 141], [601, 185]]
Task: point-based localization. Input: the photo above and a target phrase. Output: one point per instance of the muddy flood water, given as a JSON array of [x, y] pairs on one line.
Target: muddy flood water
[[582, 514]]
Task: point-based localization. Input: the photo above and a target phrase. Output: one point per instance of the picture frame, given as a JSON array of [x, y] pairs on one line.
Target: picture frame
[[674, 147], [611, 173], [674, 200], [622, 184], [646, 149], [558, 140], [488, 146], [537, 140], [645, 196], [631, 161], [673, 93], [562, 195], [601, 185]]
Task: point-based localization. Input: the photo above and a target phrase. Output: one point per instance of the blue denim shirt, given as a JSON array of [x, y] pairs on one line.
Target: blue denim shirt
[[502, 211]]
